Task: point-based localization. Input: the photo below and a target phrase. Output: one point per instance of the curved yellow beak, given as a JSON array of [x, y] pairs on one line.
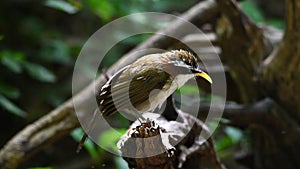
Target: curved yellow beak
[[203, 75]]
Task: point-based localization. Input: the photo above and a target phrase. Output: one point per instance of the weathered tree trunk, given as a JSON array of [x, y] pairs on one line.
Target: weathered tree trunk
[[242, 48], [276, 132], [281, 80], [281, 69]]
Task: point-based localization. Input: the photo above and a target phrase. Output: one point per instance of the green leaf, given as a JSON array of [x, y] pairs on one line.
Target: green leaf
[[62, 5], [56, 51], [11, 107], [188, 89], [234, 133], [223, 143], [12, 60], [233, 136], [252, 11], [39, 72], [9, 91], [276, 23], [88, 145], [103, 8], [120, 163], [109, 138]]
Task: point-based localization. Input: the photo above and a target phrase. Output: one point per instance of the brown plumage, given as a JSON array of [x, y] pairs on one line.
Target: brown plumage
[[135, 84]]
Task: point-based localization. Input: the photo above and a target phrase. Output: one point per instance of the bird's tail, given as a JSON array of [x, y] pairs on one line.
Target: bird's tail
[[90, 127]]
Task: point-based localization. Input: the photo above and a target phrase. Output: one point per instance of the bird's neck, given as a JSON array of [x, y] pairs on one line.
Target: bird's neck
[[159, 97], [180, 80]]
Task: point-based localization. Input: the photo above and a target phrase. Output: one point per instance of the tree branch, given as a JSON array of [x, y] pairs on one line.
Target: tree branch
[[240, 115], [263, 112]]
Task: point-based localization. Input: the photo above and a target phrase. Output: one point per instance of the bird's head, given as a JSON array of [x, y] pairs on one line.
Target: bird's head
[[184, 65]]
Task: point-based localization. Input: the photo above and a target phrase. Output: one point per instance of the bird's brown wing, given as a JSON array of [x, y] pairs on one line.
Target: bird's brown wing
[[103, 93], [122, 91]]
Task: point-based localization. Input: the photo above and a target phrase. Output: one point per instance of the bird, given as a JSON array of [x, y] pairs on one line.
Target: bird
[[145, 84]]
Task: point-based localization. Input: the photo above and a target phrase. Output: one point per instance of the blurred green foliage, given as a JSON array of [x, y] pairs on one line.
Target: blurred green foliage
[[257, 15], [230, 137], [64, 6], [34, 44], [16, 63], [109, 138]]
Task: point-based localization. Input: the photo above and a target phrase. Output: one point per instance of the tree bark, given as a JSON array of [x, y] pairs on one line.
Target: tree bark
[[243, 49], [259, 73], [193, 151], [281, 69]]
